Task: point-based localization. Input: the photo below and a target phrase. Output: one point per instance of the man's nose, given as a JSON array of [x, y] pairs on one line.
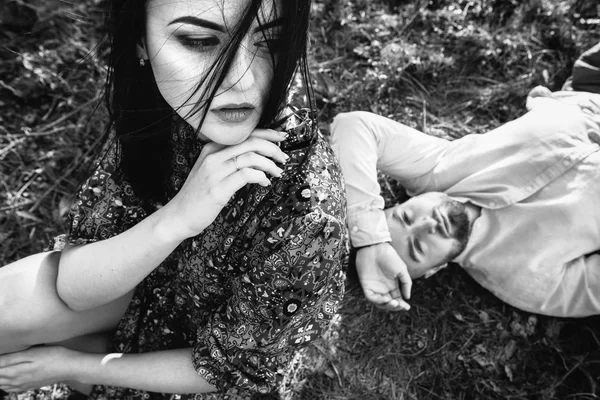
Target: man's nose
[[426, 225]]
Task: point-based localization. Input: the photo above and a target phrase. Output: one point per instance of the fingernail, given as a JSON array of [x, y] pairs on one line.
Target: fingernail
[[283, 134], [279, 173]]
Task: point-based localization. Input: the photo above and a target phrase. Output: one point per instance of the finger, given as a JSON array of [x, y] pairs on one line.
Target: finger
[[244, 176], [10, 360], [209, 148], [377, 298], [256, 145], [395, 293], [405, 283], [255, 161], [393, 306], [269, 134]]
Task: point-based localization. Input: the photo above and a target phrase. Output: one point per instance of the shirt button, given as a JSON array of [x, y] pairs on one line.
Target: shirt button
[[529, 188], [566, 162], [492, 204], [354, 229]]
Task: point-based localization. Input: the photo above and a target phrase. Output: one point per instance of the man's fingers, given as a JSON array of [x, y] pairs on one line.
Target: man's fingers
[[377, 298], [405, 283], [394, 305]]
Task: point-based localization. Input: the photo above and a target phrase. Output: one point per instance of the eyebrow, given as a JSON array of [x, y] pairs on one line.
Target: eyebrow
[[190, 20], [198, 22]]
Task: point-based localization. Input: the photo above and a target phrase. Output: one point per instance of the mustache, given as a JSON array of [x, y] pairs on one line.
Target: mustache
[[458, 217]]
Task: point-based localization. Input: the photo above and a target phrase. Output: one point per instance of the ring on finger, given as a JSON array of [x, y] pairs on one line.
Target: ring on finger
[[235, 162]]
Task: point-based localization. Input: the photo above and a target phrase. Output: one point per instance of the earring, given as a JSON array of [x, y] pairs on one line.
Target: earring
[[142, 62]]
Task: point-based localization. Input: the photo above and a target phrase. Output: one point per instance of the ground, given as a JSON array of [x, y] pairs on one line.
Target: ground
[[449, 68]]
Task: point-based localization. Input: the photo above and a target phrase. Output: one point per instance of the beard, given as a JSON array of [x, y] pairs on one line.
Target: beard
[[459, 219]]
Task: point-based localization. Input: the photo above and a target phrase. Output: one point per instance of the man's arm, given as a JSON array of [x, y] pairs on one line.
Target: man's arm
[[364, 142], [577, 291]]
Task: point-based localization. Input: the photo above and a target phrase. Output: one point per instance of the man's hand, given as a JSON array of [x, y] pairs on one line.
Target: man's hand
[[384, 277]]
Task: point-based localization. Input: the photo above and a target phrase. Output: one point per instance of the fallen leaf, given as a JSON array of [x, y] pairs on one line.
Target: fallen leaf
[[508, 371], [509, 349]]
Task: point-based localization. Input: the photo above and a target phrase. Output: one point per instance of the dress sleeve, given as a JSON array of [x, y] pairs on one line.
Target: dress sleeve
[[103, 207], [284, 302]]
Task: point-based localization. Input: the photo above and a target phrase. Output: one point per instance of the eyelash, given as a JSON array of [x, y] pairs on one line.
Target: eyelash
[[199, 44], [418, 246], [406, 219], [208, 44]]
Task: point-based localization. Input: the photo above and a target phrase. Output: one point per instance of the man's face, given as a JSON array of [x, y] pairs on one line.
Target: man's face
[[426, 230]]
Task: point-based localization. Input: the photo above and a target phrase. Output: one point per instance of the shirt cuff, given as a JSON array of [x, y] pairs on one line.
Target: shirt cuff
[[368, 227]]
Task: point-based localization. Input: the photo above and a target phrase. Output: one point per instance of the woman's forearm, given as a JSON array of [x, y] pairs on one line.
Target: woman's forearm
[[94, 274], [169, 371]]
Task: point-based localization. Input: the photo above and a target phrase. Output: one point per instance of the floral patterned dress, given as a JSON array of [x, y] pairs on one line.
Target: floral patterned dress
[[263, 280]]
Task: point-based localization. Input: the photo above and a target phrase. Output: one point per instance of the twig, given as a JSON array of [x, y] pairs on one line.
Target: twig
[[68, 115], [71, 168], [8, 208], [557, 384], [10, 146]]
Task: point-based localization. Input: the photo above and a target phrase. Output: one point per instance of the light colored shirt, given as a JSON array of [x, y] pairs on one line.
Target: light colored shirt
[[537, 180]]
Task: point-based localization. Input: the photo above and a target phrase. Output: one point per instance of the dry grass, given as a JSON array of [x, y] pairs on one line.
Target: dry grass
[[449, 68]]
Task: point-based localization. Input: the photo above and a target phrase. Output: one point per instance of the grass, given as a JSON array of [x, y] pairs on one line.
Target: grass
[[449, 68]]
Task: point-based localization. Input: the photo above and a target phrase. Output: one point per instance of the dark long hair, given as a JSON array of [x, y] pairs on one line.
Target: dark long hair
[[141, 117]]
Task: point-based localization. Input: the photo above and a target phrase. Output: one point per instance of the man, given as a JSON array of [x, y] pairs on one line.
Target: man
[[518, 208]]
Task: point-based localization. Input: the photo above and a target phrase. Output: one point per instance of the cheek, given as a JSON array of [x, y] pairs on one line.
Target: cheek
[[263, 71], [177, 80]]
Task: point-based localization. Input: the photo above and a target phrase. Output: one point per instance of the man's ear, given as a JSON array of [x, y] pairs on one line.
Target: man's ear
[[434, 270]]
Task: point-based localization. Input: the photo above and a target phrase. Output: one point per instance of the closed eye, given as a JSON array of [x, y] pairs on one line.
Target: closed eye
[[406, 219], [418, 246], [412, 251], [199, 43]]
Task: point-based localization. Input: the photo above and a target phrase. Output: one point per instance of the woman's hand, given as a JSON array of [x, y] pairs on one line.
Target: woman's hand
[[34, 368], [219, 172]]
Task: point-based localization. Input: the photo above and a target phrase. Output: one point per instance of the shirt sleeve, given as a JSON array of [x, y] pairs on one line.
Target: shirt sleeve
[[282, 303], [365, 142], [104, 206]]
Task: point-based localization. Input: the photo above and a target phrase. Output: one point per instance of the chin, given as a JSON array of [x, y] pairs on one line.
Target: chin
[[226, 134]]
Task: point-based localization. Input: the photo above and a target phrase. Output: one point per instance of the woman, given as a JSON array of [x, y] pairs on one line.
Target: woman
[[209, 246]]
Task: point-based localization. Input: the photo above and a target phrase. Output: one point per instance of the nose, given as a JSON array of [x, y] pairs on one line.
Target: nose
[[241, 76], [425, 225]]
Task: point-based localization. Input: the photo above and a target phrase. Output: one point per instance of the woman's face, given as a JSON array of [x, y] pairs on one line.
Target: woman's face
[[184, 37]]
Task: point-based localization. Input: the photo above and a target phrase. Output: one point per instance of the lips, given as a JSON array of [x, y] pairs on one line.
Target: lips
[[234, 113]]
